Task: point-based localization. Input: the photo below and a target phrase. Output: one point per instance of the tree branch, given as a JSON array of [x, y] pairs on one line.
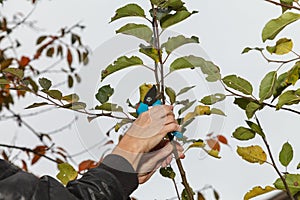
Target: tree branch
[[28, 150], [283, 5]]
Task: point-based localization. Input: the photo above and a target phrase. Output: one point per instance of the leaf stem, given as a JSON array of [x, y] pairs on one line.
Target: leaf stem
[[274, 164]]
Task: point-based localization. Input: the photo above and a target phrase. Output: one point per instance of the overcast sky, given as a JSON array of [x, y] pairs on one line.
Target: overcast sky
[[224, 29]]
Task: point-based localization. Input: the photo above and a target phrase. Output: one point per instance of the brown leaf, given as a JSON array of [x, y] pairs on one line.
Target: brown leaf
[[24, 61], [4, 155], [24, 166], [69, 57], [6, 63], [200, 196], [35, 159], [87, 164], [38, 151], [213, 144], [222, 139]]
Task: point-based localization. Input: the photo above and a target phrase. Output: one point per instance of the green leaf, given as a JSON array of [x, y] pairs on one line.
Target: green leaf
[[172, 19], [121, 63], [247, 49], [298, 166], [45, 83], [212, 99], [288, 98], [185, 89], [242, 102], [217, 111], [3, 81], [286, 154], [15, 71], [172, 4], [286, 4], [293, 74], [70, 81], [109, 107], [293, 182], [171, 94], [274, 26], [55, 94], [35, 105], [75, 106], [104, 93], [251, 108], [140, 31], [130, 10], [150, 52], [256, 128], [6, 63], [238, 84], [280, 85], [256, 191], [167, 172], [71, 98], [187, 106], [178, 41], [267, 86], [252, 154], [184, 194], [66, 173], [242, 133], [283, 46], [207, 67]]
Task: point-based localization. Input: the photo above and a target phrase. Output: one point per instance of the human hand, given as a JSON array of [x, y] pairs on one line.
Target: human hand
[[153, 160], [146, 132]]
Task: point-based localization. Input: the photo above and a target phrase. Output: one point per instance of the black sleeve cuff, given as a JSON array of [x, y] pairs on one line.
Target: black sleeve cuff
[[123, 171]]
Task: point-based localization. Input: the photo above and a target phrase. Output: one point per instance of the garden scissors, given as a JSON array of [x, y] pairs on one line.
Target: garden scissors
[[149, 100]]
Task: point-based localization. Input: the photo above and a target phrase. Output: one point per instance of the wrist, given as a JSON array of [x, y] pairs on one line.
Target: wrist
[[129, 149]]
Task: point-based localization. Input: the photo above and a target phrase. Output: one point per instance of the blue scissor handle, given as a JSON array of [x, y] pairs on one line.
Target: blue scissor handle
[[144, 107]]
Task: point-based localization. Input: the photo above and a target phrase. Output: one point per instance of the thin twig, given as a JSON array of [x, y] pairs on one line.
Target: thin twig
[[176, 188], [274, 164], [283, 5], [278, 61], [69, 125], [27, 150], [263, 103]]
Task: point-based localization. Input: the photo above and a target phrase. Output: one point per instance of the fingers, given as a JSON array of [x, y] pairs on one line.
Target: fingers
[[165, 152]]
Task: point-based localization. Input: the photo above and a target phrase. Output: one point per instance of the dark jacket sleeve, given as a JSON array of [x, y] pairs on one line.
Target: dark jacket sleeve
[[104, 182], [113, 179]]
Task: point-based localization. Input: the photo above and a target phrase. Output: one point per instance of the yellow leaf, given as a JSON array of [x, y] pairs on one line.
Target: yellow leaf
[[66, 173], [202, 110], [214, 153], [252, 154], [143, 90], [197, 144], [283, 46], [188, 116], [256, 191]]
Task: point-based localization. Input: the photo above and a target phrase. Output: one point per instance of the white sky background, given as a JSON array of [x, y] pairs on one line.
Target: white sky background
[[224, 29]]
